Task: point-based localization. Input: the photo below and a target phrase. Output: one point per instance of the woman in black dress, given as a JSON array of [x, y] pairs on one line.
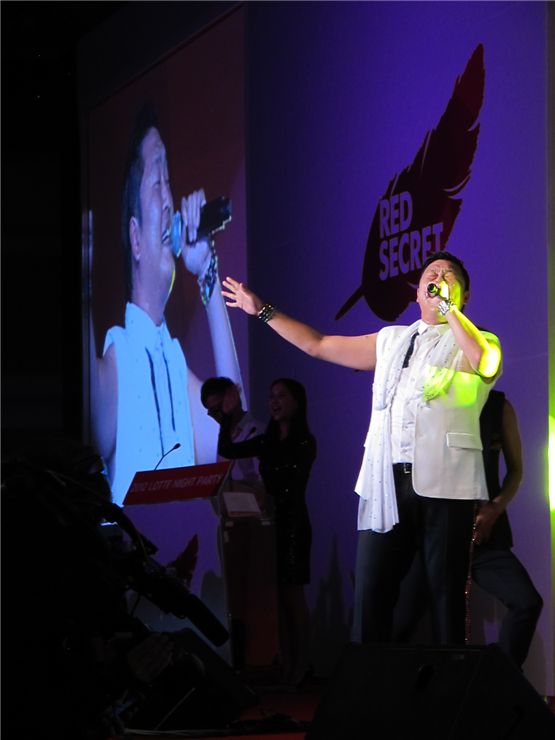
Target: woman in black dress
[[286, 451]]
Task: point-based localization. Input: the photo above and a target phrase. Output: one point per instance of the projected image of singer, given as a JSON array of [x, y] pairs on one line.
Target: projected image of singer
[[422, 469], [146, 407]]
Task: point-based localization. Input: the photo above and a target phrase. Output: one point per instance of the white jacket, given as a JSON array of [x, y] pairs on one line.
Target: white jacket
[[447, 459]]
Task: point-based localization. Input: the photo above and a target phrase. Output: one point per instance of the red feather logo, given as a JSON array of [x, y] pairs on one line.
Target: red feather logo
[[416, 215]]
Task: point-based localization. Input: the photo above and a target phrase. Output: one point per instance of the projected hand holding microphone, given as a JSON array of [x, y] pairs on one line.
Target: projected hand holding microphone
[[194, 240], [214, 216]]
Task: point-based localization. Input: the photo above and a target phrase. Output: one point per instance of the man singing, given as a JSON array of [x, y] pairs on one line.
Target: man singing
[[422, 470], [146, 408]]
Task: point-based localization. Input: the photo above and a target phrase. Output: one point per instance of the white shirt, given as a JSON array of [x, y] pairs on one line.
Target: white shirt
[[153, 405], [409, 392]]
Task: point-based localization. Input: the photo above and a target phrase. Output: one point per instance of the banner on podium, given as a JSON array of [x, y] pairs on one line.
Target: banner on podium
[[177, 484]]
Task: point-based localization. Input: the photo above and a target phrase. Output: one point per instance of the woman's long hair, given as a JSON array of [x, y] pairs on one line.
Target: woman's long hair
[[299, 427]]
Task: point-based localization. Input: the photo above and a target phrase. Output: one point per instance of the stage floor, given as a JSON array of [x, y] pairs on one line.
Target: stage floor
[[282, 713]]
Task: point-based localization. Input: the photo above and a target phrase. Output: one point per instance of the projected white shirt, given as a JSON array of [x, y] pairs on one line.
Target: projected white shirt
[[153, 406]]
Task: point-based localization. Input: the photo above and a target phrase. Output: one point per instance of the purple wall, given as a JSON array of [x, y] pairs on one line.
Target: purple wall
[[340, 96]]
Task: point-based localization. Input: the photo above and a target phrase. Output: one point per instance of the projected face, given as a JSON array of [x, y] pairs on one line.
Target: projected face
[[438, 272], [150, 238], [282, 403]]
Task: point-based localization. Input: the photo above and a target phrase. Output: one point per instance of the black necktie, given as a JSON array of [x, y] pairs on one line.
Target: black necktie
[[410, 349]]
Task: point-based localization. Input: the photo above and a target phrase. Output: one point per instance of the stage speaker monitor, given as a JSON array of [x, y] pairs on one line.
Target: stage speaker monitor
[[442, 693], [203, 691]]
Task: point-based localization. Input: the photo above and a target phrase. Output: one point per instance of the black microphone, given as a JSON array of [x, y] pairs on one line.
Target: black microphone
[[214, 216], [434, 290], [175, 447]]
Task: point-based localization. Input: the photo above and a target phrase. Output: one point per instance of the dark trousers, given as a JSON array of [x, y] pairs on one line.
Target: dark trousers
[[502, 575], [441, 530], [499, 573]]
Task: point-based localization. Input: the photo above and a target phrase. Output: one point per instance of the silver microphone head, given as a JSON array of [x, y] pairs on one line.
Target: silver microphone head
[[177, 228]]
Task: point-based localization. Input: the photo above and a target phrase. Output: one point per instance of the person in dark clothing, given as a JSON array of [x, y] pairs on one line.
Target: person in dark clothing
[[286, 451], [495, 567]]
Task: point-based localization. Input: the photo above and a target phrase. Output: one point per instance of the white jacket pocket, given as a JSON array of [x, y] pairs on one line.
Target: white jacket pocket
[[463, 440]]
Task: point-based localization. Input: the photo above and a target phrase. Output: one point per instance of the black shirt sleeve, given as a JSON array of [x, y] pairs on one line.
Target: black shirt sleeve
[[234, 450]]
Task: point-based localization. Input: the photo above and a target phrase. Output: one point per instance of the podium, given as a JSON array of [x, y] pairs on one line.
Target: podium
[[179, 508], [250, 565]]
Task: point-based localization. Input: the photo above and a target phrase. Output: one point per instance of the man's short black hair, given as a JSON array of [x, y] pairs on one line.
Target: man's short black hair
[[214, 386], [448, 257], [131, 201]]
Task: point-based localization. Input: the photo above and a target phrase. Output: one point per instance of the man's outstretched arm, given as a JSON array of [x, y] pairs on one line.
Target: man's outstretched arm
[[358, 352]]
